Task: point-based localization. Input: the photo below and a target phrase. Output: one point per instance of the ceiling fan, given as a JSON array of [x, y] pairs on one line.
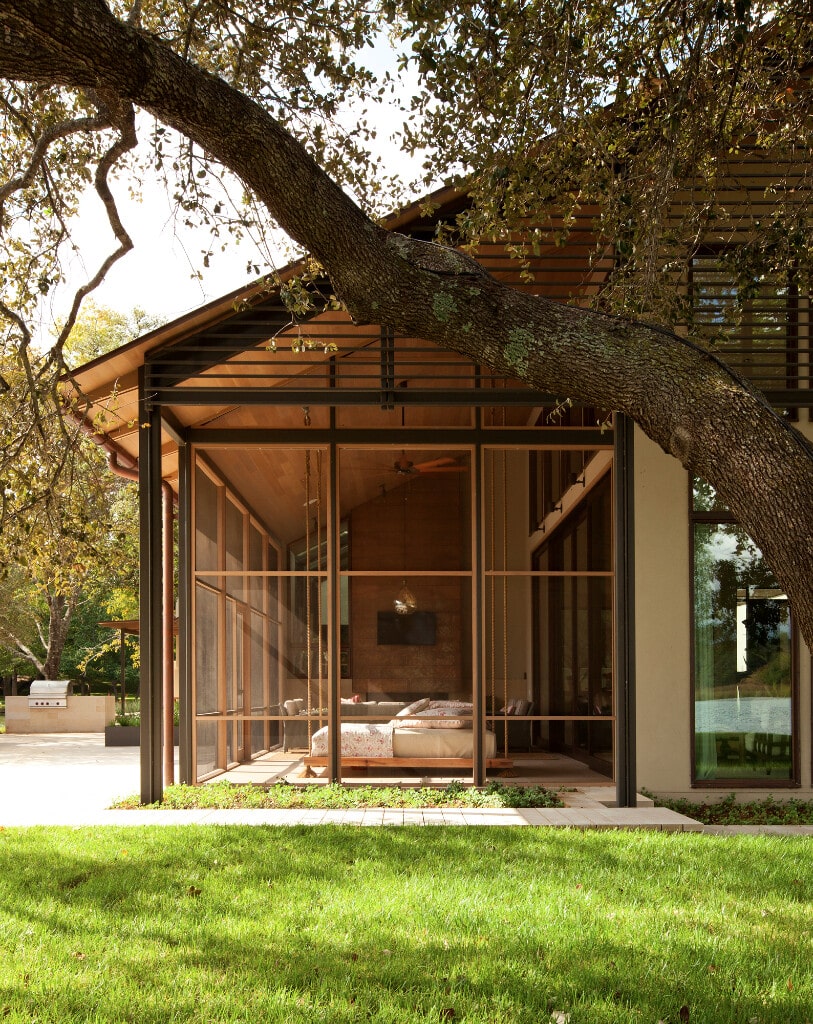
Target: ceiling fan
[[445, 464]]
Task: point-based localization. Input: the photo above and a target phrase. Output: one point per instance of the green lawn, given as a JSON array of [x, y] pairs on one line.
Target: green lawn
[[343, 924]]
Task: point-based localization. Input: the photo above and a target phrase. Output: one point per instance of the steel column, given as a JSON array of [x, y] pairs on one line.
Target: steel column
[[624, 560], [186, 770], [334, 602], [150, 595], [478, 694]]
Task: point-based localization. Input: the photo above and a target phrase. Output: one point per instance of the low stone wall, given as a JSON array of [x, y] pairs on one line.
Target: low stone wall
[[83, 714]]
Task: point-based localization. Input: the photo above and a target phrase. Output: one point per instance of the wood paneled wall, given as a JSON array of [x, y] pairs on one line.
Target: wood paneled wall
[[437, 537]]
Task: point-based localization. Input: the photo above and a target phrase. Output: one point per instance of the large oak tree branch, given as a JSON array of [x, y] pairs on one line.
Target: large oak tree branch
[[683, 397]]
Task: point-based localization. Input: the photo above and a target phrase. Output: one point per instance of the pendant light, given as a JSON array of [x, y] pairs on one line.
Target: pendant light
[[404, 603]]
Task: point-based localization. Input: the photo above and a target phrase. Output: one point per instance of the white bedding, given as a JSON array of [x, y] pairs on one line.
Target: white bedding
[[387, 740], [438, 743]]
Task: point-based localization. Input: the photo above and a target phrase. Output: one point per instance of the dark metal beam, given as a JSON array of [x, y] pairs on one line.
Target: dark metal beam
[[478, 696], [238, 333], [186, 768], [387, 346], [547, 437], [213, 346], [456, 397], [623, 500], [150, 598], [335, 628]]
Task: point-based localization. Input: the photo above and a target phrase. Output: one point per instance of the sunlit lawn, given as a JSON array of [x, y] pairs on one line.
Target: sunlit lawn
[[260, 924]]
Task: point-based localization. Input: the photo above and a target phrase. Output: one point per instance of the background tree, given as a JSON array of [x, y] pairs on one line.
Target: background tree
[[69, 546], [539, 107]]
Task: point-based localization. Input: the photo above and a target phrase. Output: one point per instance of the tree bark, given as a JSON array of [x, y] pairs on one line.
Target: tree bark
[[61, 608], [683, 397]]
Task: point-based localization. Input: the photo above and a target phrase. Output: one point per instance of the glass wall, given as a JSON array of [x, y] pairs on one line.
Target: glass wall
[[743, 661], [257, 605], [408, 581], [574, 633], [374, 603]]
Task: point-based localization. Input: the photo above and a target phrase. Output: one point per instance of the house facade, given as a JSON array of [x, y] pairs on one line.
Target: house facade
[[366, 521]]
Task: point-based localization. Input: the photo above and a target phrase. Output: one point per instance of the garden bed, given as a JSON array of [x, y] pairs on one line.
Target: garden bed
[[730, 811]]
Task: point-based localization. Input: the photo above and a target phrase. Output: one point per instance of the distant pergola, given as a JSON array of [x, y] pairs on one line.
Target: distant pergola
[[127, 627]]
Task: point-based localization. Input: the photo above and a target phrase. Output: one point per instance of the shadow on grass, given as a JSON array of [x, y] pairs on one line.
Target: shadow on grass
[[332, 923]]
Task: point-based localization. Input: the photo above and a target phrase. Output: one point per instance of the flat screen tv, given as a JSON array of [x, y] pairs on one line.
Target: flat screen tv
[[417, 629]]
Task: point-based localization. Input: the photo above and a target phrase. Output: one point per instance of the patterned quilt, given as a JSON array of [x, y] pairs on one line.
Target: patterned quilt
[[359, 739]]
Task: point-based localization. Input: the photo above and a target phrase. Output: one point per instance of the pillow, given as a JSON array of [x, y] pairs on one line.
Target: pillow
[[294, 707], [509, 709], [463, 706], [414, 707], [522, 707], [439, 718]]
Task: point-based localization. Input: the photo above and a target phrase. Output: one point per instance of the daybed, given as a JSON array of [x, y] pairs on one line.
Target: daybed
[[295, 725], [425, 734]]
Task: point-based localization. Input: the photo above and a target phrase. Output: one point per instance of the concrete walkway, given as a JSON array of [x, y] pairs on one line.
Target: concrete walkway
[[71, 779]]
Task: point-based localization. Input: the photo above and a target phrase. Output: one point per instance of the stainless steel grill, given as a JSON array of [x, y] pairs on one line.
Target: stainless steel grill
[[49, 693]]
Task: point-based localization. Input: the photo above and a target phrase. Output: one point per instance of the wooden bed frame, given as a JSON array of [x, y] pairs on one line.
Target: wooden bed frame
[[311, 761]]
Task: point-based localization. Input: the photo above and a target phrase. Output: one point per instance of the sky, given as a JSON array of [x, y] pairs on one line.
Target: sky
[[159, 275]]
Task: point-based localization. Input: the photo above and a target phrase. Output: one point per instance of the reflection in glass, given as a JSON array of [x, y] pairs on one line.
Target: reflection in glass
[[742, 660]]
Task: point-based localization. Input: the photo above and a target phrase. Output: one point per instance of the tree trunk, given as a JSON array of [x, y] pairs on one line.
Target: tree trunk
[[61, 608], [684, 398]]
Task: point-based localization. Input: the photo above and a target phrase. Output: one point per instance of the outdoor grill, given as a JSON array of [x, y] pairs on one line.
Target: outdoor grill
[[49, 693]]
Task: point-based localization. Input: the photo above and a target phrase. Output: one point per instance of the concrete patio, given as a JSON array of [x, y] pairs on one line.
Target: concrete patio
[[71, 779]]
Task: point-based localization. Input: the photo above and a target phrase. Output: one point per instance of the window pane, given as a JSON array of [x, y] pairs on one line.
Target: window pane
[[704, 497], [742, 660]]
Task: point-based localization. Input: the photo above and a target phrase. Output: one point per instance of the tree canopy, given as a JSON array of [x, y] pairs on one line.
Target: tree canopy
[[69, 535], [533, 107]]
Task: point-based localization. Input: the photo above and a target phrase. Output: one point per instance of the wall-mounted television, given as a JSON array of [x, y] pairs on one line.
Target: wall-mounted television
[[417, 629]]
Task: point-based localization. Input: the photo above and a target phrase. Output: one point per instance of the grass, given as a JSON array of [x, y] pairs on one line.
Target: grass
[[334, 795], [132, 713], [730, 811], [332, 924]]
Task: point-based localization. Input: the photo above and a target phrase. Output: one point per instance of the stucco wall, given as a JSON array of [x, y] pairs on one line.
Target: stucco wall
[[662, 619], [83, 714], [662, 632]]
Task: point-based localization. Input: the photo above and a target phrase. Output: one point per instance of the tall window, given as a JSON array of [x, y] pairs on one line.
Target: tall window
[[744, 693]]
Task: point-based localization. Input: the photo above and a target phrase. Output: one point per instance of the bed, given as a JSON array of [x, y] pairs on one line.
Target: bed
[[425, 734]]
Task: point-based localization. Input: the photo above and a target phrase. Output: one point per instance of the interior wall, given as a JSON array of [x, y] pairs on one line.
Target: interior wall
[[435, 537]]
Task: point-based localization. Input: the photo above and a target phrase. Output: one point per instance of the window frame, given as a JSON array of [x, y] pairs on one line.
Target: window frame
[[723, 516]]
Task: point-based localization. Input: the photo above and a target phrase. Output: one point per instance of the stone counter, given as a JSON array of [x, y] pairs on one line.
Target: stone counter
[[83, 714]]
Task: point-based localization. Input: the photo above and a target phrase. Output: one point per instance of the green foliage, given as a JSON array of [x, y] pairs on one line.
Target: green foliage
[[68, 527], [132, 715], [99, 330], [92, 653], [731, 811], [335, 795], [547, 109]]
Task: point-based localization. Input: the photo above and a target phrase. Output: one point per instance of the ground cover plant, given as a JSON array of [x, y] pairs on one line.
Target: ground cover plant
[[344, 924], [730, 811], [335, 795]]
